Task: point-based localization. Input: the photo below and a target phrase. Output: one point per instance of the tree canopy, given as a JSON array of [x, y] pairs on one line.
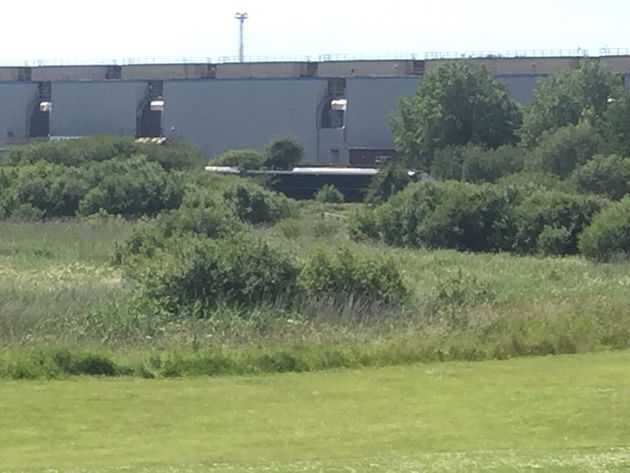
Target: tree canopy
[[566, 98], [456, 103]]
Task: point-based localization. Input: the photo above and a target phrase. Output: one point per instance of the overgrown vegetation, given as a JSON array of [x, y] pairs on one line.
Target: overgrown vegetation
[[209, 274]]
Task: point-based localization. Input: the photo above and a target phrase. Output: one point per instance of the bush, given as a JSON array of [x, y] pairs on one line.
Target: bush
[[329, 194], [604, 175], [253, 204], [475, 163], [284, 153], [608, 237], [150, 236], [447, 215], [550, 222], [345, 275], [79, 152], [200, 274], [246, 159], [391, 179], [131, 186], [562, 150]]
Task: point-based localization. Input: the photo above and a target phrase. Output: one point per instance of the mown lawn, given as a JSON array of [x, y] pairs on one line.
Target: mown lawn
[[566, 413]]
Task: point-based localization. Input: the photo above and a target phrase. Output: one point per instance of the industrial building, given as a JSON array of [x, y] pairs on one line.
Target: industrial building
[[337, 107]]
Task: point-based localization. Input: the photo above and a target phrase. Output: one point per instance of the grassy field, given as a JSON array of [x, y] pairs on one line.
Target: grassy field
[[558, 414], [59, 289]]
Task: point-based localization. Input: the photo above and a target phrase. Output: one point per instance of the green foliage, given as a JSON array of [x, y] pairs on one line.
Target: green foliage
[[562, 150], [79, 152], [346, 275], [150, 236], [456, 103], [446, 215], [550, 222], [131, 186], [256, 205], [604, 175], [615, 125], [566, 98], [329, 194], [199, 274], [484, 217], [528, 181], [246, 159], [475, 163], [389, 180], [284, 152], [608, 237]]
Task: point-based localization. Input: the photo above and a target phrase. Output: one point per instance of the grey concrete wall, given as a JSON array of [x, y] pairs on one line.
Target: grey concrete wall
[[260, 70], [370, 102], [53, 73], [16, 99], [87, 108], [165, 71], [365, 68], [520, 87], [218, 115]]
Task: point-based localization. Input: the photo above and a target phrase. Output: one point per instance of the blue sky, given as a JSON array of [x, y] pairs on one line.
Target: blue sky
[[116, 29]]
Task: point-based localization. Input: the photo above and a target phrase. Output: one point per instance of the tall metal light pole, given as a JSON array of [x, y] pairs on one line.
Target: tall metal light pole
[[241, 17]]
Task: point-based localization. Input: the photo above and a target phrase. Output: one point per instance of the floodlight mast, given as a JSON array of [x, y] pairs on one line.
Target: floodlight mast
[[241, 17]]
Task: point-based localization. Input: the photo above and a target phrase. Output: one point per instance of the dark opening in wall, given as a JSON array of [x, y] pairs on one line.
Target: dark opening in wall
[[149, 124], [39, 119]]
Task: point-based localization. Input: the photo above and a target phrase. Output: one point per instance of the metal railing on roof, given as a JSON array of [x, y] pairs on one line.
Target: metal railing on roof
[[505, 54], [202, 60]]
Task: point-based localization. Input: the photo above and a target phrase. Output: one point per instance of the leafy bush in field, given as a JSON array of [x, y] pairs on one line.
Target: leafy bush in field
[[562, 150], [284, 152], [131, 186], [604, 175], [329, 194], [363, 225], [479, 218], [615, 125], [527, 182], [150, 236], [446, 215], [346, 275], [475, 163], [391, 179], [79, 152], [608, 236], [52, 189], [199, 274], [247, 159], [551, 221], [254, 204]]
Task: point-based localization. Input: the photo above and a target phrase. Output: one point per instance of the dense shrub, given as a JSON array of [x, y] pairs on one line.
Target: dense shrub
[[475, 163], [256, 205], [345, 275], [527, 182], [131, 186], [446, 215], [389, 180], [550, 221], [608, 237], [199, 274], [246, 159], [150, 236], [170, 155], [562, 150], [486, 217], [284, 152], [604, 175], [52, 189], [329, 194]]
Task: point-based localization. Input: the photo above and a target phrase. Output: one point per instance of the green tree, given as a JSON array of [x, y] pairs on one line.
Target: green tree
[[566, 98], [455, 104], [284, 152], [389, 180], [615, 126]]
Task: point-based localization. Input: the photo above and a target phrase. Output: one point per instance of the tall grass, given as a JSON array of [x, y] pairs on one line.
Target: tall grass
[[57, 289]]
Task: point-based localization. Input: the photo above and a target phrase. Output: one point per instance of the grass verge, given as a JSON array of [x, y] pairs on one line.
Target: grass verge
[[557, 414]]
